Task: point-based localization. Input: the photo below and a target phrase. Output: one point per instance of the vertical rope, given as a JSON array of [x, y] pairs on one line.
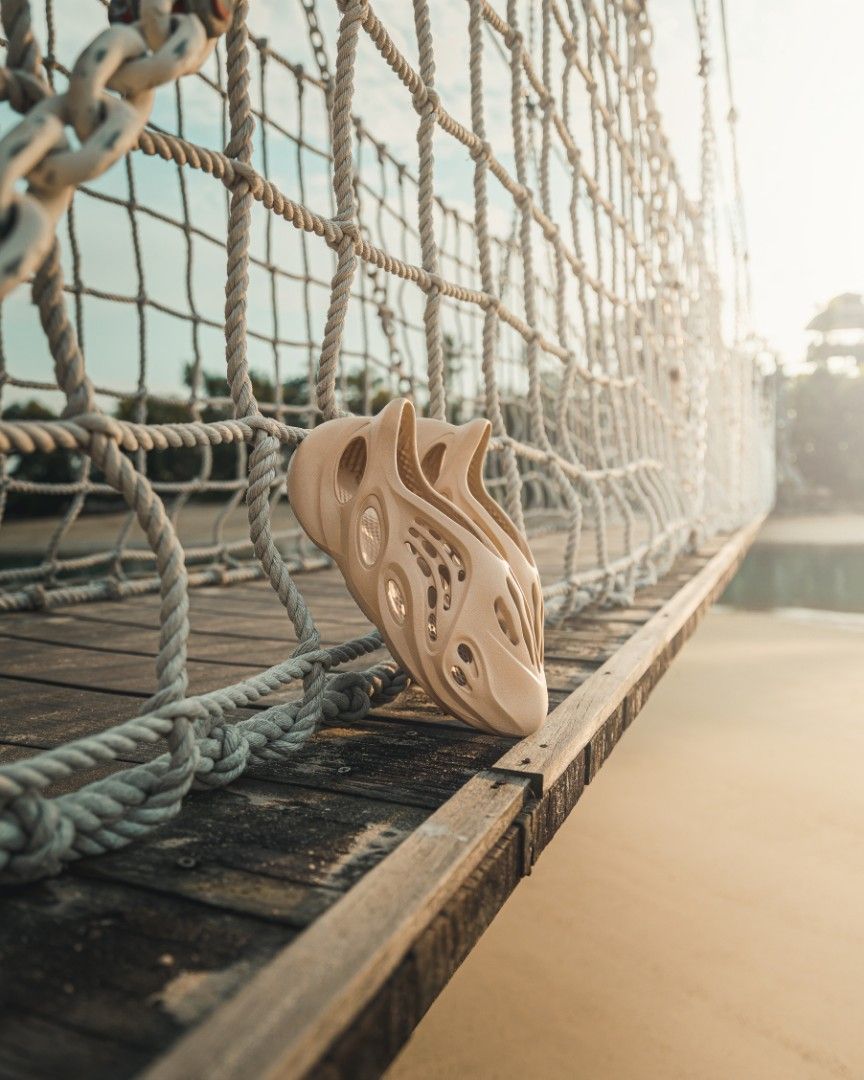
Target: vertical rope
[[354, 12], [573, 295], [426, 104]]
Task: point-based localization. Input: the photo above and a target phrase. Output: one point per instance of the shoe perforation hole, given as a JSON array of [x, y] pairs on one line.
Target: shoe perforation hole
[[350, 470], [519, 603], [370, 539], [454, 555], [396, 600], [432, 462], [505, 621], [444, 574]]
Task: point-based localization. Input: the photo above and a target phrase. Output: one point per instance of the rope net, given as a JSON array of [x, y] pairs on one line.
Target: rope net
[[470, 204]]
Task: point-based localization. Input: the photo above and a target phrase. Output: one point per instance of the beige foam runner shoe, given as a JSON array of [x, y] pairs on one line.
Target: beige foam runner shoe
[[434, 580]]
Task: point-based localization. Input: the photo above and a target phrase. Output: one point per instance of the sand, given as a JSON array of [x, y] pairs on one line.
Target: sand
[[701, 913]]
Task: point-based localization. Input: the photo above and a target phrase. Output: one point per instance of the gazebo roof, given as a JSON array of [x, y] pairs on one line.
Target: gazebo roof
[[844, 312]]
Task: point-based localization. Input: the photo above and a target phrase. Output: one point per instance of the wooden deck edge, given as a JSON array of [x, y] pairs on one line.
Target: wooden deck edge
[[281, 1022], [345, 996], [615, 693]]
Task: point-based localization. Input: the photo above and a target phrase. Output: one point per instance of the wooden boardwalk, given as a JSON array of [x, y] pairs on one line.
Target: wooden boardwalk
[[302, 920]]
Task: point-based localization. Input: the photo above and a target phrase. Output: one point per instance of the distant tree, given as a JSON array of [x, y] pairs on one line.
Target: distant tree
[[825, 433], [172, 465], [355, 398], [58, 467]]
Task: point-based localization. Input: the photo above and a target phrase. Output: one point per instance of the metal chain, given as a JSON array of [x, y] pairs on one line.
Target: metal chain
[[148, 45]]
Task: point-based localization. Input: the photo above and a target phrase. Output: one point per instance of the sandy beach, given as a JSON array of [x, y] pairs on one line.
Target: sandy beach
[[700, 913]]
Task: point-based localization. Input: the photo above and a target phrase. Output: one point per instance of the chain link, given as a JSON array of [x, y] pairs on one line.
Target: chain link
[[319, 46], [148, 44]]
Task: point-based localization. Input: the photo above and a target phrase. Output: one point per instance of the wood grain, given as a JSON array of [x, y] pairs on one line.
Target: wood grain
[[336, 891], [342, 998], [295, 1006]]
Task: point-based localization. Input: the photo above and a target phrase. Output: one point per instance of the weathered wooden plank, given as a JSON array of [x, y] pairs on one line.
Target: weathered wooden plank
[[60, 630], [129, 672], [118, 966], [206, 624], [376, 757], [339, 836], [280, 1021], [277, 851], [89, 669], [248, 611], [346, 1029], [36, 714], [380, 1030], [264, 605], [36, 1047]]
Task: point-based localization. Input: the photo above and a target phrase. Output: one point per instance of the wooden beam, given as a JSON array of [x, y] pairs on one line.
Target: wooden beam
[[282, 1020], [299, 1008], [581, 717]]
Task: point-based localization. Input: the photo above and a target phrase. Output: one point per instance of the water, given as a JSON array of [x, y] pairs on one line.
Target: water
[[824, 577]]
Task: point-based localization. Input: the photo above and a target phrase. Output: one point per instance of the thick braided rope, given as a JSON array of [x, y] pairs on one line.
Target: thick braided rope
[[265, 459], [49, 838], [426, 103], [37, 835], [340, 289], [650, 424], [651, 489]]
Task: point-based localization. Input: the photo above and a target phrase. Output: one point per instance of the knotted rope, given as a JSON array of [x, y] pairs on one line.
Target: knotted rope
[[565, 286]]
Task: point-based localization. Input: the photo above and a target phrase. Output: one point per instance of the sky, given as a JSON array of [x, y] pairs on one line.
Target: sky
[[799, 85]]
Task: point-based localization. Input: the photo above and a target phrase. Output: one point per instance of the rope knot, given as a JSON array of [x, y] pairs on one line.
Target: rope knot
[[426, 101], [225, 758], [388, 681], [267, 424], [114, 589], [310, 652], [38, 838], [482, 151], [347, 696], [220, 576], [100, 424], [243, 172], [349, 228], [354, 9], [490, 303], [38, 596]]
